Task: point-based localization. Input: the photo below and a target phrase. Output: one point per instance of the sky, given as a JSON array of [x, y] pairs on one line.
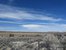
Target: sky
[[33, 15]]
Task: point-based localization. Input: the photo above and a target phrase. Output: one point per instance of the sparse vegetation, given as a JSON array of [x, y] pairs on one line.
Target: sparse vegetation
[[43, 41]]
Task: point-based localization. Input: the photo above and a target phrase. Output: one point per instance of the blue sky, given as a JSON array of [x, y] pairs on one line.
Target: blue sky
[[33, 15]]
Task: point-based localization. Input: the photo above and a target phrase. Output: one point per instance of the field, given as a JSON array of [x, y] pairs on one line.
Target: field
[[32, 40]]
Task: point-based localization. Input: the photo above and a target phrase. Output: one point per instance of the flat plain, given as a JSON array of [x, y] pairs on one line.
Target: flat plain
[[32, 40]]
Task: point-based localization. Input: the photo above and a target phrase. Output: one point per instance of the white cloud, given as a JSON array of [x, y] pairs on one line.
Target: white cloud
[[10, 22], [45, 27], [31, 26], [17, 13], [13, 12], [63, 25]]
